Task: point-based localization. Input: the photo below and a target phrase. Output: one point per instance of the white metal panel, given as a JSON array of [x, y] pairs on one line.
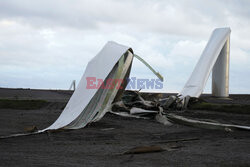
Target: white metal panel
[[99, 67], [220, 74], [197, 81]]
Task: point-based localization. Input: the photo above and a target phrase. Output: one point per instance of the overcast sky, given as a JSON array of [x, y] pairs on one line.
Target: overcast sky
[[47, 43]]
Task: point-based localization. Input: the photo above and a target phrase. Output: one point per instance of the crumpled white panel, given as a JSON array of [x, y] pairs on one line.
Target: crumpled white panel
[[99, 67], [197, 81]]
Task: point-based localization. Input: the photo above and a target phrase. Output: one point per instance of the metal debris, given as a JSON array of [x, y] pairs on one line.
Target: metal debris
[[31, 129], [205, 124], [165, 111], [145, 149]]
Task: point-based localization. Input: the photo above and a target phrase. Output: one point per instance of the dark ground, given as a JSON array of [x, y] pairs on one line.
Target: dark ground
[[103, 143]]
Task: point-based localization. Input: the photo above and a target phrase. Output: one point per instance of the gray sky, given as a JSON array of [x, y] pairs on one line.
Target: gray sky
[[47, 44]]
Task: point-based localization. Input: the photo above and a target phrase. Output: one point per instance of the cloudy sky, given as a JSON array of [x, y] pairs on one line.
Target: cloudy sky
[[47, 43]]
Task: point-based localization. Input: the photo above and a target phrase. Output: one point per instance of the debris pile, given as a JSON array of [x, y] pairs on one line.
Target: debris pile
[[132, 104], [165, 111]]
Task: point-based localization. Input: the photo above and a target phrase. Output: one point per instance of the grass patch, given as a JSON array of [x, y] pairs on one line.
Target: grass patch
[[232, 108], [22, 104]]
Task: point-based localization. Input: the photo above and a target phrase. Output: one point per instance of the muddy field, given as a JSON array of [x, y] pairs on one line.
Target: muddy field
[[104, 143]]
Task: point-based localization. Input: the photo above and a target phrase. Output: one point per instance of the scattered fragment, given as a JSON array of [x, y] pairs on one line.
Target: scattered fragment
[[135, 110], [169, 101], [204, 124], [162, 119], [127, 114], [31, 129], [145, 149]]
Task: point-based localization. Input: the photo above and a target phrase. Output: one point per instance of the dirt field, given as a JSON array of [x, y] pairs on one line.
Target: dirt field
[[103, 143]]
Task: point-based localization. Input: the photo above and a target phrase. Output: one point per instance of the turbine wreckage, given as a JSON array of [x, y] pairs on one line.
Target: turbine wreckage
[[215, 57], [112, 66], [114, 62]]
